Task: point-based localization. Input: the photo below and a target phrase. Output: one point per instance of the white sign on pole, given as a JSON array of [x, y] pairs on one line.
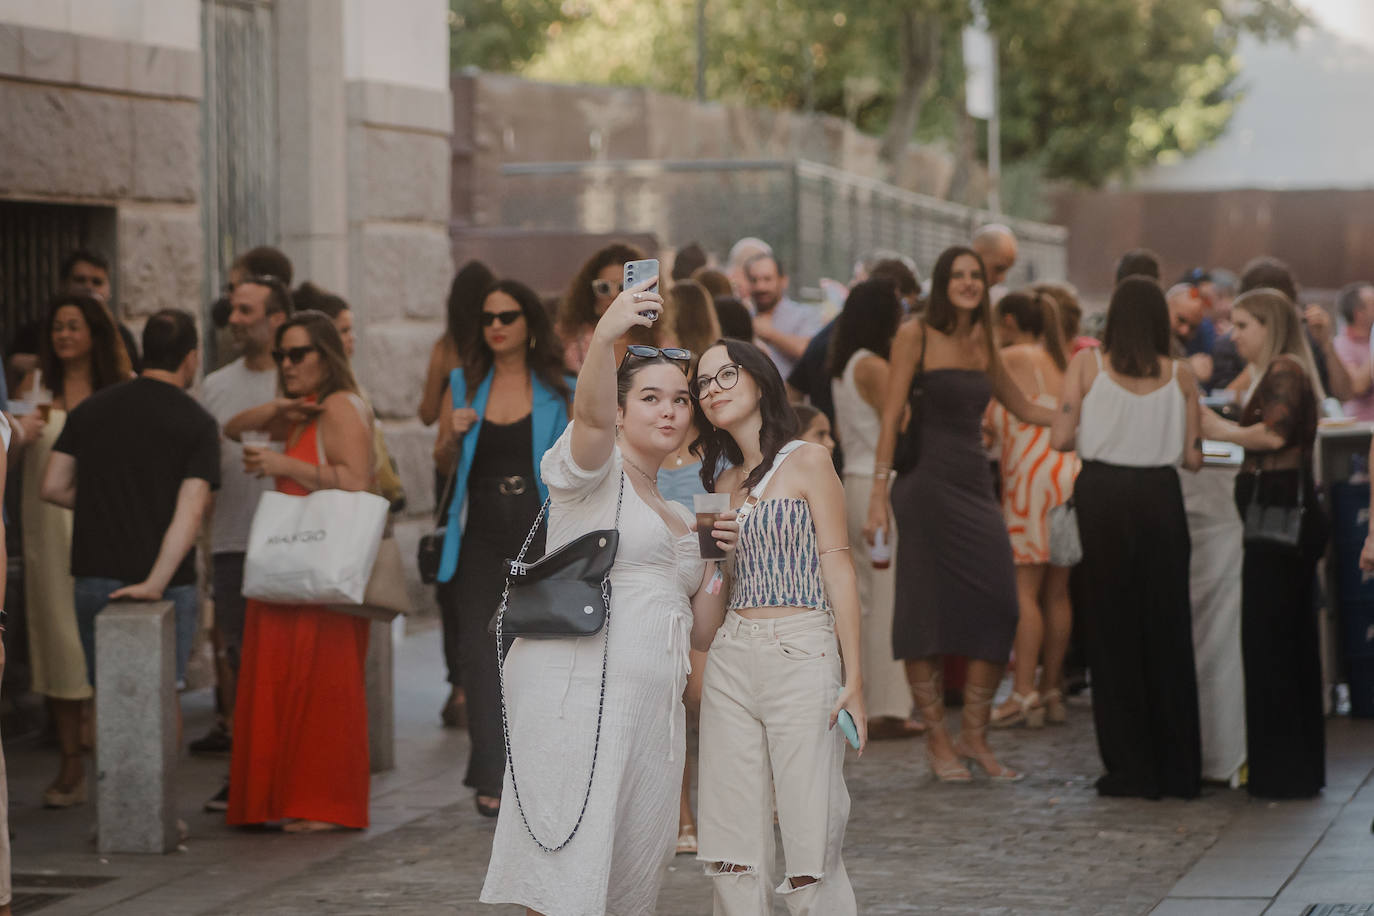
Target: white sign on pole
[[980, 73]]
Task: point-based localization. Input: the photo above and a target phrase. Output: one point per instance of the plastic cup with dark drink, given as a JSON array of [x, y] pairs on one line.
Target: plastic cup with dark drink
[[708, 506]]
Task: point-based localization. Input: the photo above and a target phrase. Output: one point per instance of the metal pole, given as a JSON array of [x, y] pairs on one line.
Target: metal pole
[[701, 50], [995, 140]]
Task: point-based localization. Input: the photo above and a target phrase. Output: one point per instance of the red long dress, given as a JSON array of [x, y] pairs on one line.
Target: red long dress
[[300, 720]]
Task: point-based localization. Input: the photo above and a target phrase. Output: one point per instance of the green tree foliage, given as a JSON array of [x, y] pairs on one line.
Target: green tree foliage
[[501, 34], [1099, 87], [1090, 88]]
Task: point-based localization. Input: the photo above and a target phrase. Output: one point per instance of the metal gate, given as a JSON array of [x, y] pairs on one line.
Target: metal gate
[[34, 240], [239, 131]]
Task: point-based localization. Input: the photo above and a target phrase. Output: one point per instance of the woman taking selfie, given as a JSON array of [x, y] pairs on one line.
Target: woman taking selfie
[[956, 581], [590, 293], [1285, 735], [609, 747], [80, 353], [300, 723], [508, 405], [774, 688], [1133, 411]]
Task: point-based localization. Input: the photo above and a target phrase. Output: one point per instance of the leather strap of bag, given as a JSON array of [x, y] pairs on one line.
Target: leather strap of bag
[[453, 481], [601, 701]]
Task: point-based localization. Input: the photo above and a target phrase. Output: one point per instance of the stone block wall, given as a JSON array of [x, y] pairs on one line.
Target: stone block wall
[[101, 122], [400, 262]]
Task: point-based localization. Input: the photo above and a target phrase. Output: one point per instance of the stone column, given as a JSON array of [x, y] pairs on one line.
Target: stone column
[[311, 125], [136, 727], [381, 697]]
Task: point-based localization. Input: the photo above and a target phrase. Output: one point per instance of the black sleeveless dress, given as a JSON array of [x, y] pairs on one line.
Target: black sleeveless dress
[[503, 501], [956, 579]]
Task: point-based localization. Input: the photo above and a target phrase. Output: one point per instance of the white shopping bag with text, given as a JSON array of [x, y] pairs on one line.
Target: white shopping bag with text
[[315, 549]]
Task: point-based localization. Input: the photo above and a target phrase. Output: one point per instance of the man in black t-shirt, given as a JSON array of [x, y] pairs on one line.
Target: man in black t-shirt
[[137, 462]]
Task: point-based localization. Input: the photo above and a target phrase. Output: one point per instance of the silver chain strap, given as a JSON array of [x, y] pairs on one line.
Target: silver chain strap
[[601, 702]]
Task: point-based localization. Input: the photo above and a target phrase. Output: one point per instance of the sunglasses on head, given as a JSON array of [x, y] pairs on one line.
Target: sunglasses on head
[[293, 355], [508, 317], [606, 288], [640, 351]]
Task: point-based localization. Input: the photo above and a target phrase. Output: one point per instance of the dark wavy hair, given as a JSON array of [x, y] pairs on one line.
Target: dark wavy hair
[[465, 295], [779, 421], [870, 317], [577, 309], [545, 351], [1267, 272], [942, 314], [1036, 313], [1137, 332], [109, 358]]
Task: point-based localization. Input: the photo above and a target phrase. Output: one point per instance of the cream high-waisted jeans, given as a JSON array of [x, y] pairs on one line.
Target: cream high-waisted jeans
[[765, 712]]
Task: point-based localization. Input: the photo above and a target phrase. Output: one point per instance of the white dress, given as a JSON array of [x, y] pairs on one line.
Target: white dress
[[615, 864]]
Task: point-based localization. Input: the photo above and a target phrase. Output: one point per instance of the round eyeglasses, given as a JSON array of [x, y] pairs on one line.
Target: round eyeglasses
[[725, 379]]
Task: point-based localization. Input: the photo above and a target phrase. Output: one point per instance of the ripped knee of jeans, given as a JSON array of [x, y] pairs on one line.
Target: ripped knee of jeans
[[717, 869], [796, 883]]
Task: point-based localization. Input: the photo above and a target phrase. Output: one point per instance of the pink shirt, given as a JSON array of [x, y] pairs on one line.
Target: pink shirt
[[1355, 354]]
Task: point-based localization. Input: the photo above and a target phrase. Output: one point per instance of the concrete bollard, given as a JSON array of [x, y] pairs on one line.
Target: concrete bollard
[[381, 697], [136, 727]]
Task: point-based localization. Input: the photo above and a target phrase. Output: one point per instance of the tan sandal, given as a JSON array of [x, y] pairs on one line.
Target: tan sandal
[[686, 842], [977, 707], [930, 701], [1055, 710], [307, 826], [1019, 710]]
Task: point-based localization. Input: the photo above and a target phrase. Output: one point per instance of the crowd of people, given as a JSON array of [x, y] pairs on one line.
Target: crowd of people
[[917, 485]]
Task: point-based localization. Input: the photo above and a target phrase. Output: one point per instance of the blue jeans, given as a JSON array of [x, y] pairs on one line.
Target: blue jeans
[[93, 593]]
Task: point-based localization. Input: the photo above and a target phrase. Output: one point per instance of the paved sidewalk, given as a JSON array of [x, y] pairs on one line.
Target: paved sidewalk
[[1046, 845]]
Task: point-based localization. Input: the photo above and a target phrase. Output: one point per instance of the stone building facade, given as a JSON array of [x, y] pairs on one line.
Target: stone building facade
[[108, 118], [112, 117]]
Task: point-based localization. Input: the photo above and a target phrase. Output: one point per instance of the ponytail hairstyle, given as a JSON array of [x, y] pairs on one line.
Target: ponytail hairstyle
[[1035, 313], [779, 420]]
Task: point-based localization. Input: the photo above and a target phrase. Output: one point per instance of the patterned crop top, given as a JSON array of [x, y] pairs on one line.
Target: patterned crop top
[[777, 563]]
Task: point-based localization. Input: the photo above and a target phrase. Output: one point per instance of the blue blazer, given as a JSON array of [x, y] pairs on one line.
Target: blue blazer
[[549, 419]]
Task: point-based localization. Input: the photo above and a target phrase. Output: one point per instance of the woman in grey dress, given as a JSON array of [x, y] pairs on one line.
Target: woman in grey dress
[[956, 581]]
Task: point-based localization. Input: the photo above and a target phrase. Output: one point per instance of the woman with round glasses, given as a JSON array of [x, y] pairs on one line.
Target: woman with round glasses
[[774, 689], [619, 794], [508, 404], [300, 718], [590, 293]]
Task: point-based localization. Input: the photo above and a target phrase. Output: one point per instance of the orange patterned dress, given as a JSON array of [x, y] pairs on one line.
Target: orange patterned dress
[[1035, 479]]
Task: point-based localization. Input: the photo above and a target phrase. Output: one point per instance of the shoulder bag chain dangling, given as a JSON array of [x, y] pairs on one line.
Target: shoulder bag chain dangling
[[565, 594]]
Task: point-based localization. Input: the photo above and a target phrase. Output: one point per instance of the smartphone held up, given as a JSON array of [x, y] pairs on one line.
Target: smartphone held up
[[637, 272]]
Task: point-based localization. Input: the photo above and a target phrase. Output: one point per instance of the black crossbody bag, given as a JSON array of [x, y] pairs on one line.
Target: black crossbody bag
[[565, 594], [1275, 526]]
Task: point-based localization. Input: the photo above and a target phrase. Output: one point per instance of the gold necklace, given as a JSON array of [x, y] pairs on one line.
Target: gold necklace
[[653, 482]]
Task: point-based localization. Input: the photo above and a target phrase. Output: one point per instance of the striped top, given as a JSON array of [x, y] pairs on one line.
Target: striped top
[[777, 563]]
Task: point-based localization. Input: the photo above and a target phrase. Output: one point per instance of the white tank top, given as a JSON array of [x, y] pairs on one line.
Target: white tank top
[[856, 421], [1133, 430]]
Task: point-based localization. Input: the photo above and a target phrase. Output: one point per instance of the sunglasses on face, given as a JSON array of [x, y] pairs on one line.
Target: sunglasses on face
[[606, 288], [725, 379], [293, 355], [505, 318], [640, 351]]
